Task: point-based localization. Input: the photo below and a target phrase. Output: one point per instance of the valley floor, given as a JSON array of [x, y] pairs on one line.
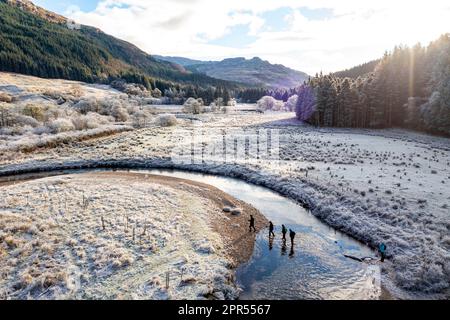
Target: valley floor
[[388, 186]]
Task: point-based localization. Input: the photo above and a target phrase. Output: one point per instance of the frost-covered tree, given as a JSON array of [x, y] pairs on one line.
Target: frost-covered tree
[[193, 105], [306, 103], [166, 120], [291, 103], [157, 93], [269, 103]]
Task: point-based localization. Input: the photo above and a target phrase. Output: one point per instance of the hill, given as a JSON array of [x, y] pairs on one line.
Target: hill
[[41, 43], [253, 72]]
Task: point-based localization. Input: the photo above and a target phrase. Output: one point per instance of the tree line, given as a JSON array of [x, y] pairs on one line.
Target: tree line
[[34, 46], [410, 87]]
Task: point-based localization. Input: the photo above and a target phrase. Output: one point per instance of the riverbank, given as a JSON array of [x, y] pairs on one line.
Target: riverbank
[[114, 235]]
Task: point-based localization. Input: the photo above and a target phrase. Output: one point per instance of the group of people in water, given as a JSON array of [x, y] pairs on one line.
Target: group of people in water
[[284, 231], [381, 249]]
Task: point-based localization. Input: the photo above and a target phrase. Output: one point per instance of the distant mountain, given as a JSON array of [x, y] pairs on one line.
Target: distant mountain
[[255, 72], [38, 42]]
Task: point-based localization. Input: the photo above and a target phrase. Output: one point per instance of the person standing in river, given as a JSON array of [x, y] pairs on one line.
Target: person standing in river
[[292, 236], [252, 224], [283, 231], [271, 233], [382, 249]]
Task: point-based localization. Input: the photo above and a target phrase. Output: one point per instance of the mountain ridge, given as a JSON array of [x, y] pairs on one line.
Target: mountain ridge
[[254, 71]]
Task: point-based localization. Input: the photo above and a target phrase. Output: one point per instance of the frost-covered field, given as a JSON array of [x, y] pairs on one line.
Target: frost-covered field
[[376, 185], [36, 112], [110, 236]]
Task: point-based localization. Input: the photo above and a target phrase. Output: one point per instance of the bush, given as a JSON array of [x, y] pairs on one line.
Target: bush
[[291, 103], [141, 118], [166, 120], [61, 125], [194, 106], [269, 103], [4, 97], [87, 105], [22, 120], [120, 113], [35, 111], [132, 89], [84, 122]]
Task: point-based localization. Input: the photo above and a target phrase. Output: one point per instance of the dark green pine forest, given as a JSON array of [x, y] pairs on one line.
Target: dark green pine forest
[[33, 45]]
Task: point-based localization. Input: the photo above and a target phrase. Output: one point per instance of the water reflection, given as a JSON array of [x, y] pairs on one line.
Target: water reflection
[[314, 267]]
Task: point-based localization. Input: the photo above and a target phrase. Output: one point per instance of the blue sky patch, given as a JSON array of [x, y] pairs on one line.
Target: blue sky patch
[[238, 37], [62, 6], [317, 14], [275, 19]]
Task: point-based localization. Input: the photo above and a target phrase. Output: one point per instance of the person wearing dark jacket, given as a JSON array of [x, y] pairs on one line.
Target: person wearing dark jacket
[[292, 236], [382, 249], [252, 224], [271, 233], [283, 231]]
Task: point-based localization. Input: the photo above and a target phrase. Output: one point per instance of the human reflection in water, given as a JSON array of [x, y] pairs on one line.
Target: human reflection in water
[[291, 253], [270, 242], [283, 247]]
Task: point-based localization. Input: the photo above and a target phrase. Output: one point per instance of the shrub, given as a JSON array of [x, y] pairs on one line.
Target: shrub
[[4, 97], [35, 111], [194, 106], [120, 113], [91, 120], [141, 118], [87, 105], [291, 103], [269, 103], [61, 125], [157, 93], [166, 120], [23, 120]]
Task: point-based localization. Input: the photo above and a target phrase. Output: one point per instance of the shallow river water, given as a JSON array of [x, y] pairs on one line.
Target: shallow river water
[[315, 268]]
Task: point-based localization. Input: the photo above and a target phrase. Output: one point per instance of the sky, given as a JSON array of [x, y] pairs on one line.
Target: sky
[[307, 35]]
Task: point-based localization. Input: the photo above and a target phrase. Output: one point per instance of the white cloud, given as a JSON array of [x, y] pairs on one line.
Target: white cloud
[[357, 32]]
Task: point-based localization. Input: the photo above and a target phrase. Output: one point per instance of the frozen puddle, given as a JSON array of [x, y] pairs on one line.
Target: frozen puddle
[[316, 269]]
